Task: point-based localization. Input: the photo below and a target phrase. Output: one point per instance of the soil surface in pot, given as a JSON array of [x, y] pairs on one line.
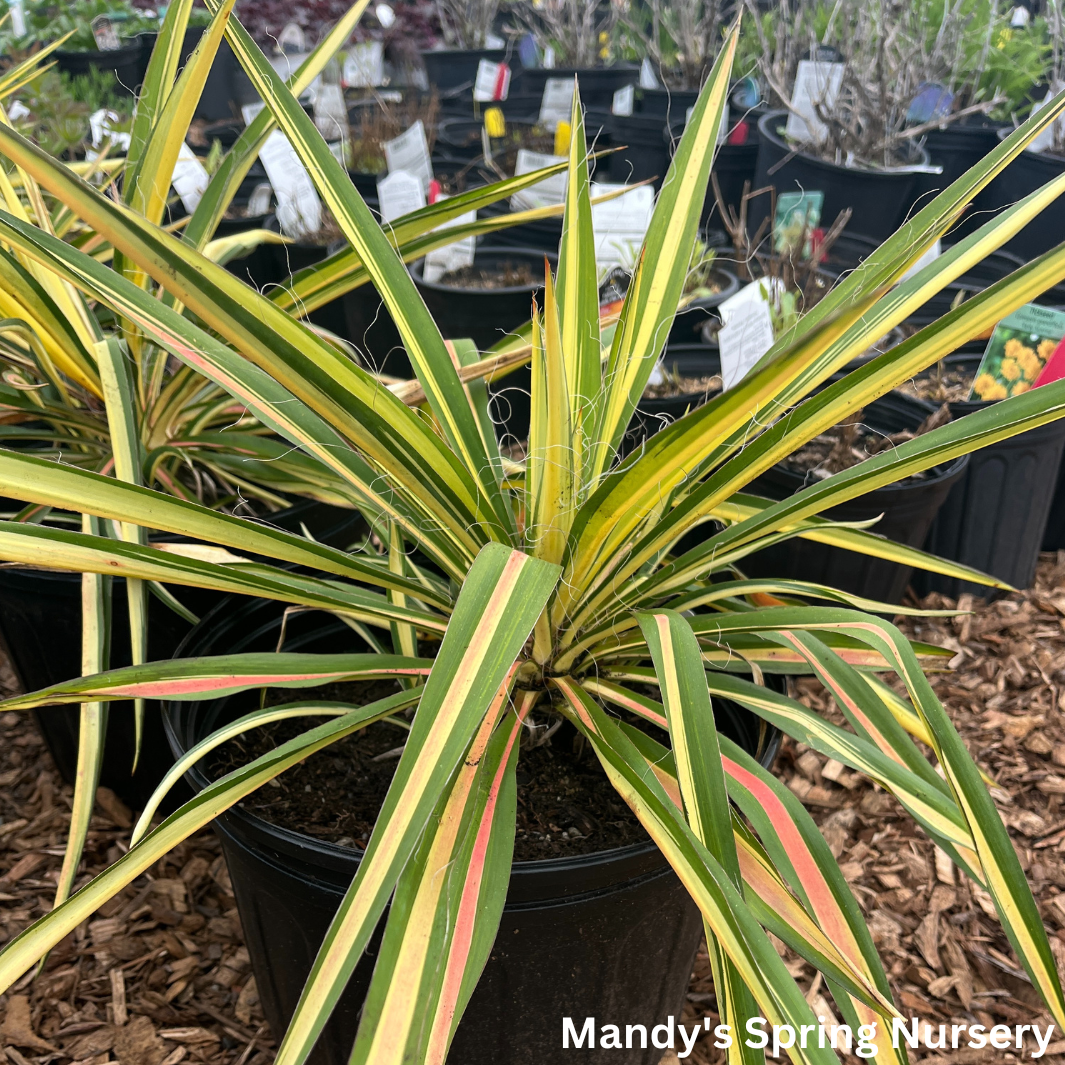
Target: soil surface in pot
[[566, 805], [329, 232], [673, 384], [501, 275], [942, 386], [850, 442]]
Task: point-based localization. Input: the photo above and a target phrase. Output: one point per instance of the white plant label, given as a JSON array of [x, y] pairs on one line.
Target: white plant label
[[815, 83], [1045, 139], [385, 15], [249, 112], [298, 208], [620, 226], [746, 333], [455, 256], [624, 99], [549, 58], [647, 75], [929, 256], [364, 65], [100, 127], [260, 199], [103, 32], [292, 38], [544, 193], [18, 18], [492, 82], [330, 112], [399, 194], [557, 103], [410, 152], [17, 110], [493, 40], [190, 178]]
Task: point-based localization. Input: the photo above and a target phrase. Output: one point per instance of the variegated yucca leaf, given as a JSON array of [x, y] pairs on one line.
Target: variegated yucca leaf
[[514, 589]]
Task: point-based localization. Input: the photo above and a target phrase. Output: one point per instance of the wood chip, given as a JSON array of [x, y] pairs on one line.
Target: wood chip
[[115, 809], [18, 1026], [136, 1043], [118, 997], [27, 864]]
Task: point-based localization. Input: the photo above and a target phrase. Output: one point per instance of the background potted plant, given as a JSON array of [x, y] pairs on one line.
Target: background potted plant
[[544, 595]]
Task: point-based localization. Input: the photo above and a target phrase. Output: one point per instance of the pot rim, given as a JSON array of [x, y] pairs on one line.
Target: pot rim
[[1030, 153], [532, 254], [334, 854], [765, 130]]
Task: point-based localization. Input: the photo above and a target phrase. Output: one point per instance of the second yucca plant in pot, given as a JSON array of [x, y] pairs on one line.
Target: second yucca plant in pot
[[519, 597]]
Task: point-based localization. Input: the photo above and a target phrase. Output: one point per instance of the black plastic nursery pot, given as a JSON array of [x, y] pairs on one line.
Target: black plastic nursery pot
[[644, 148], [655, 413], [908, 510], [544, 235], [452, 71], [995, 515], [879, 198], [597, 85], [486, 316], [219, 98], [687, 327], [1028, 172], [957, 148], [125, 63], [670, 105], [1054, 533], [610, 935], [40, 625]]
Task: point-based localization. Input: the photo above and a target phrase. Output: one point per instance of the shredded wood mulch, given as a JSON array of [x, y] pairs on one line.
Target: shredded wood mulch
[[160, 975]]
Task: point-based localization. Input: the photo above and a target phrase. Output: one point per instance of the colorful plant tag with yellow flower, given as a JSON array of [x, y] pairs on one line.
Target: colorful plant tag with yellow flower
[[1017, 352]]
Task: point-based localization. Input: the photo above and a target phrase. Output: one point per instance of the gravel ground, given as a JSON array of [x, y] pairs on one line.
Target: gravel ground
[[160, 975]]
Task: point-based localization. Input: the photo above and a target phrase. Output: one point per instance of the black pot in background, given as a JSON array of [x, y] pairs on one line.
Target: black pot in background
[[40, 624], [670, 105], [880, 199], [609, 935], [218, 99], [452, 71], [597, 86], [126, 63], [1054, 534], [995, 516], [486, 316], [851, 249], [687, 327], [1028, 172], [644, 148], [957, 148], [908, 510], [544, 235], [655, 413]]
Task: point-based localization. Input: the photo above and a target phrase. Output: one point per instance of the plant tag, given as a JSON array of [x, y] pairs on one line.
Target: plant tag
[[455, 256], [492, 82], [249, 112], [647, 75], [493, 40], [798, 216], [103, 32], [544, 193], [1054, 370], [557, 103], [1045, 139], [330, 112], [410, 152], [18, 18], [260, 199], [624, 99], [929, 256], [190, 178], [620, 226], [385, 15], [364, 65], [399, 194], [816, 83], [563, 132], [17, 111], [298, 208], [495, 123], [100, 127], [746, 333], [1017, 352], [548, 62], [292, 40]]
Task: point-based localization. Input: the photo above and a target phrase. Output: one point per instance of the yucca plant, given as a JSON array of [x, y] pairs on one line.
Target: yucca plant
[[553, 589]]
